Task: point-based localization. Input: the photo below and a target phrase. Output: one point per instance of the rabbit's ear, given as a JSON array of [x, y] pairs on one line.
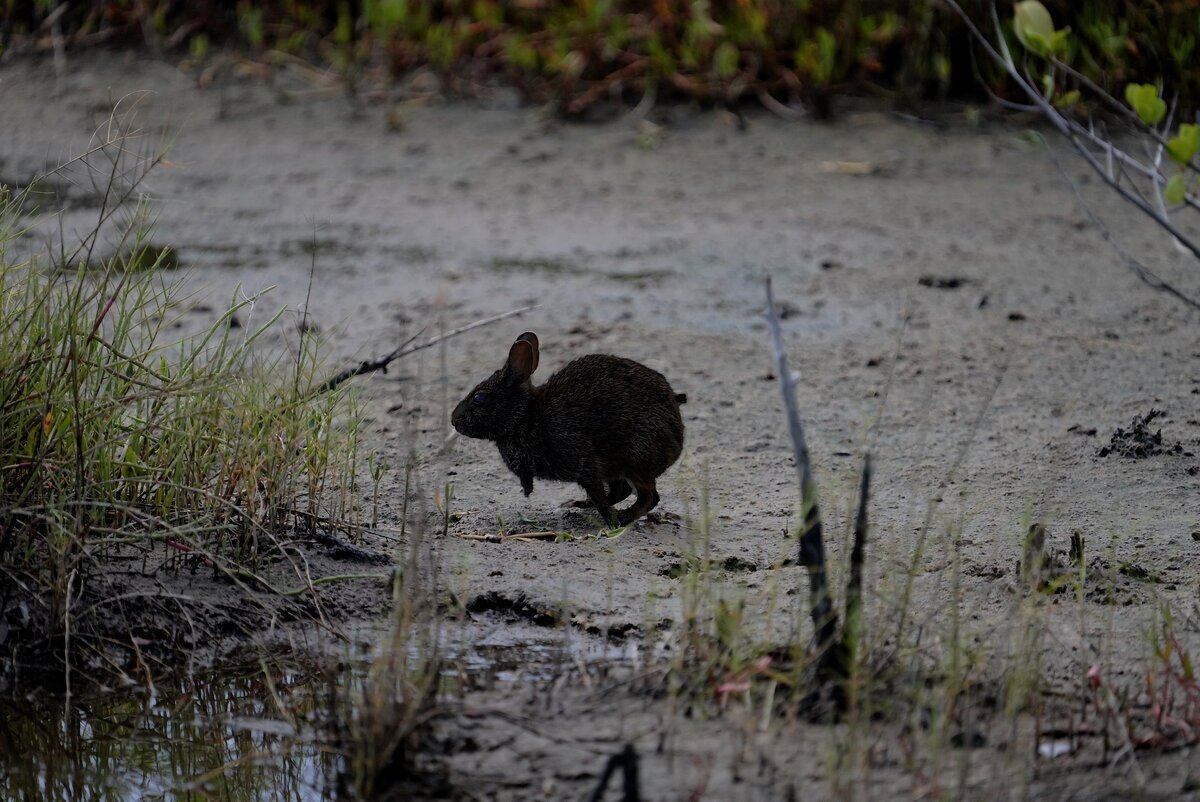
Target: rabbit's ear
[[523, 356]]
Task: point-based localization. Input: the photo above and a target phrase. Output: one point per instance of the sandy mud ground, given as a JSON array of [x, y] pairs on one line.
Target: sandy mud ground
[[984, 392]]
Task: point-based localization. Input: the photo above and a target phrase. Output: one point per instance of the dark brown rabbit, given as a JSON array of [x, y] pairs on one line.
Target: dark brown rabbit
[[608, 423]]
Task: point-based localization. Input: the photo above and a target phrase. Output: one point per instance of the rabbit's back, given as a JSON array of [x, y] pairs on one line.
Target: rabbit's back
[[613, 412]]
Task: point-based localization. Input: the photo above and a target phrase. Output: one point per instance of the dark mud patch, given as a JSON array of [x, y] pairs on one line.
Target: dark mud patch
[[944, 282], [642, 277], [1139, 441], [538, 266], [226, 255], [150, 613], [696, 565], [614, 632], [139, 625], [317, 247], [337, 549], [136, 258], [521, 611], [52, 192], [410, 254], [513, 609]]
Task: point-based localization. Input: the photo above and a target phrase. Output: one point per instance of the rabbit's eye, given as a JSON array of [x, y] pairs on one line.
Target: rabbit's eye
[[479, 399]]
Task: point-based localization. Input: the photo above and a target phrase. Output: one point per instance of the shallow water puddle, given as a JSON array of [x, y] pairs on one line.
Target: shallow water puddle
[[212, 737], [238, 735]]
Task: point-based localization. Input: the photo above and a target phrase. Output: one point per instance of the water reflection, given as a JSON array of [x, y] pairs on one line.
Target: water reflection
[[213, 737], [234, 734]]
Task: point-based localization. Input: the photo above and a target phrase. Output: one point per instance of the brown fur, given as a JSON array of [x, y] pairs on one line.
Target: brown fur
[[606, 422]]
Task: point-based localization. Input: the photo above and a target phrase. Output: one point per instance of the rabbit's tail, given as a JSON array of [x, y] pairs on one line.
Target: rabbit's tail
[[680, 398]]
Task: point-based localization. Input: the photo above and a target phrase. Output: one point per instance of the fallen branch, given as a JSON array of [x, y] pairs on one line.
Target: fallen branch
[[527, 537], [406, 348]]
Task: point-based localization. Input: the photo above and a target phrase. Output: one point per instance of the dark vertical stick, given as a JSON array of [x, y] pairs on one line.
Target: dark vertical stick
[[812, 543], [857, 556], [633, 791], [627, 761]]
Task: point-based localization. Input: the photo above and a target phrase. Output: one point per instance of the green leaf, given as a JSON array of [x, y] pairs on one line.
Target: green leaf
[[725, 60], [1067, 99], [828, 49], [1058, 42], [1183, 146], [941, 67], [199, 46], [251, 23], [1175, 190], [1144, 99], [1033, 26]]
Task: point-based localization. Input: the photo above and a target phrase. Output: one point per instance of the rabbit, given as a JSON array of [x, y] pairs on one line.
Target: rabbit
[[606, 422]]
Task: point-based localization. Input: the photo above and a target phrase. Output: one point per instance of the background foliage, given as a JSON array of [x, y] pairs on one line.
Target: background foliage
[[577, 52]]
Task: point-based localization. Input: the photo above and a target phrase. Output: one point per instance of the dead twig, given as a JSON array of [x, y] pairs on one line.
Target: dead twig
[[812, 543], [1143, 273], [407, 347], [527, 537]]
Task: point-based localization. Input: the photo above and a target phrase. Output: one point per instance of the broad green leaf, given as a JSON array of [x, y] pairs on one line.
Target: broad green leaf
[[1175, 189], [1183, 146], [1033, 26], [1144, 99]]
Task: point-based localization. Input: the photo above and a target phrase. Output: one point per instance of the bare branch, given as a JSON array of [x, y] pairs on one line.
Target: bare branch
[[407, 347], [1127, 113], [1144, 274], [1069, 128]]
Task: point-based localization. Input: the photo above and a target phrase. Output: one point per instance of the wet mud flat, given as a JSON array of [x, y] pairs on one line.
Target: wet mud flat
[[951, 309]]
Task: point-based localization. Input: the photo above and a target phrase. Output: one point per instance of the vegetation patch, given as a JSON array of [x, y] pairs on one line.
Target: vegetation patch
[[574, 55], [135, 461]]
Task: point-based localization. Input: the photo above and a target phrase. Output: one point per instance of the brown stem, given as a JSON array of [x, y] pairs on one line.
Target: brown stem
[[407, 347]]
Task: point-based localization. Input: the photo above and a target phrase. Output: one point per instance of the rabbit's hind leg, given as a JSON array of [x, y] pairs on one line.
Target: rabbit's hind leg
[[599, 498], [618, 490], [647, 498]]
